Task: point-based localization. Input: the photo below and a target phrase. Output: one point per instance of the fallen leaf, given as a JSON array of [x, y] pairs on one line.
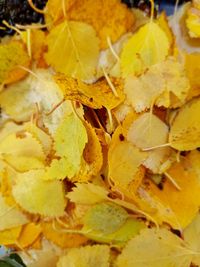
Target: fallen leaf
[[155, 248], [37, 196], [12, 56], [79, 57], [185, 129], [96, 95], [86, 256], [136, 56]]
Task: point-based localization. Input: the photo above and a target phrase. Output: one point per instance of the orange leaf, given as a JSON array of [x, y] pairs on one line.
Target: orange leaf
[[29, 235]]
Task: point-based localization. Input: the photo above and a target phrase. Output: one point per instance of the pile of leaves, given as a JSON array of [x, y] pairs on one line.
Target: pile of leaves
[[100, 137]]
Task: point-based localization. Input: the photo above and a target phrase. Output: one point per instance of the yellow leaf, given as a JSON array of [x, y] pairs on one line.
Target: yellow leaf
[[164, 84], [96, 95], [60, 238], [92, 152], [23, 163], [69, 142], [164, 24], [192, 70], [155, 248], [12, 56], [87, 194], [143, 49], [191, 234], [73, 49], [42, 137], [10, 216], [124, 161], [37, 196], [89, 256], [148, 131], [185, 129], [29, 234], [47, 256], [9, 237], [192, 21], [21, 143], [113, 20], [186, 176]]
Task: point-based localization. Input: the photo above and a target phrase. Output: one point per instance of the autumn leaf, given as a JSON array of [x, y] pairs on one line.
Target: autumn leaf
[[32, 193], [185, 129], [97, 95], [12, 56], [86, 256], [113, 20], [79, 57], [155, 248], [29, 234], [109, 223], [10, 216], [136, 56], [164, 84], [60, 238]]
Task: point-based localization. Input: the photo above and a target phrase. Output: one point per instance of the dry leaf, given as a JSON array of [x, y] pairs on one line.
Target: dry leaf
[[96, 95]]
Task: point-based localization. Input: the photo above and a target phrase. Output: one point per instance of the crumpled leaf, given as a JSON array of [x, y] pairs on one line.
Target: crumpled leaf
[[96, 95], [90, 256], [155, 248], [10, 216], [113, 20], [12, 56], [37, 196], [29, 234], [79, 57], [143, 49], [87, 194], [60, 238], [185, 129], [164, 84]]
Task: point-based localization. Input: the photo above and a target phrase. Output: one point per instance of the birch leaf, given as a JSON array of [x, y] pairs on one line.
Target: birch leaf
[[87, 194], [185, 130], [10, 217], [155, 248], [143, 49], [32, 193], [90, 256], [79, 57]]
